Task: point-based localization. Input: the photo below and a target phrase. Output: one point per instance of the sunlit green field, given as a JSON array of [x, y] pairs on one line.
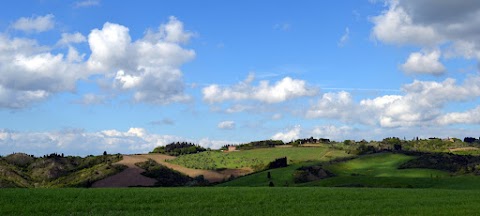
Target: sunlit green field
[[239, 201], [249, 158], [378, 170]]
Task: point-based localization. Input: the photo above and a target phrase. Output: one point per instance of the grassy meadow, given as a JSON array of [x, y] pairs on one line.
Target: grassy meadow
[[239, 201], [377, 170], [256, 157]]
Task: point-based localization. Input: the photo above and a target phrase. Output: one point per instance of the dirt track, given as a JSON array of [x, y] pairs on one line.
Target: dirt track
[[463, 149], [132, 175]]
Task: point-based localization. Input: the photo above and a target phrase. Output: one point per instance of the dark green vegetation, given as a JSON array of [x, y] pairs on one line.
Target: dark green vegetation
[[257, 144], [239, 201], [179, 148], [22, 170], [167, 177]]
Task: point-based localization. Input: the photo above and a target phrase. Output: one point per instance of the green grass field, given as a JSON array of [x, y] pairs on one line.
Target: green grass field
[[250, 158], [378, 170], [239, 201], [280, 177]]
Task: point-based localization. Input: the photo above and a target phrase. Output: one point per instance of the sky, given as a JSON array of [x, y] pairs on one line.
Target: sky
[[87, 76]]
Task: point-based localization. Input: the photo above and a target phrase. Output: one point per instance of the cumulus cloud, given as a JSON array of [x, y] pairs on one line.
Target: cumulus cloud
[[281, 91], [334, 105], [289, 135], [424, 63], [81, 142], [468, 117], [90, 99], [31, 72], [71, 38], [332, 132], [430, 24], [226, 125], [149, 67], [422, 103], [35, 23]]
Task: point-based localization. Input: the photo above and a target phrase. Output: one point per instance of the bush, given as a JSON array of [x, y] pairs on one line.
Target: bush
[[176, 149], [310, 173]]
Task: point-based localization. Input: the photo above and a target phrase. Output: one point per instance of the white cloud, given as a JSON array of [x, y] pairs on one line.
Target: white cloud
[[424, 63], [226, 125], [431, 24], [150, 67], [172, 32], [344, 39], [422, 103], [396, 26], [340, 106], [332, 132], [87, 3], [281, 91], [31, 72], [90, 99], [469, 117], [289, 135], [81, 142], [35, 23], [71, 38]]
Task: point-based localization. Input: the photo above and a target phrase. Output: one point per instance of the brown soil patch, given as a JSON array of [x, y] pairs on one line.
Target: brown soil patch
[[463, 149], [236, 172], [129, 177], [283, 146], [132, 175]]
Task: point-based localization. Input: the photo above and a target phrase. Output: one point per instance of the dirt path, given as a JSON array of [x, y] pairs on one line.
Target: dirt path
[[463, 149], [129, 177]]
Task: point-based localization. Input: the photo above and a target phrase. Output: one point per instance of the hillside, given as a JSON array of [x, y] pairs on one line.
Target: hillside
[[256, 159], [22, 170]]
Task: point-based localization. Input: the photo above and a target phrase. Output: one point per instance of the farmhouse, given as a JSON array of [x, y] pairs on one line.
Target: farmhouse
[[232, 148]]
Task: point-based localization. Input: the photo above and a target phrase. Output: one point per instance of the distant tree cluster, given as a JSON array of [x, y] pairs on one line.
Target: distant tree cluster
[[471, 140], [179, 148], [258, 144], [310, 140]]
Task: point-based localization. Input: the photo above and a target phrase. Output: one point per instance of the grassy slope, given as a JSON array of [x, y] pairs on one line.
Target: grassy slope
[[11, 176], [381, 165], [85, 177], [55, 171], [380, 170], [284, 176], [239, 201], [247, 158]]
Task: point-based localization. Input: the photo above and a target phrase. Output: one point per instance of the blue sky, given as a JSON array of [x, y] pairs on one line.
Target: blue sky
[[81, 77]]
